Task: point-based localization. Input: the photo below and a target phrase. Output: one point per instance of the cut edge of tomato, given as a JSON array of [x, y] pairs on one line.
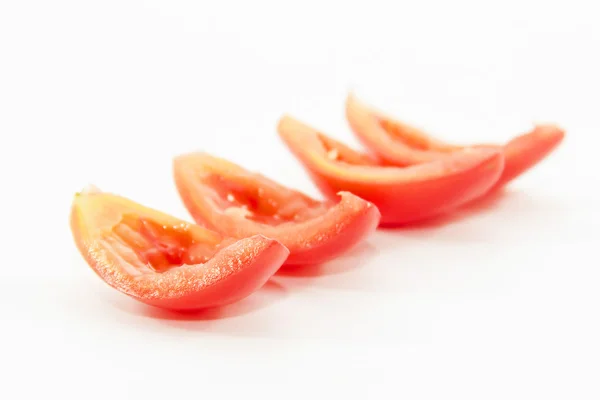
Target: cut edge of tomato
[[232, 273], [351, 231], [103, 218], [390, 140], [398, 192], [222, 186], [305, 142], [375, 131], [342, 223]]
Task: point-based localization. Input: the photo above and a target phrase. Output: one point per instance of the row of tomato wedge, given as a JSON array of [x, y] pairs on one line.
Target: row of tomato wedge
[[248, 226]]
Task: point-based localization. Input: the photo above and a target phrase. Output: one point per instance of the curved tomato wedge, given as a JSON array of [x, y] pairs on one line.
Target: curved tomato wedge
[[166, 262], [525, 151], [397, 143], [238, 203], [403, 195]]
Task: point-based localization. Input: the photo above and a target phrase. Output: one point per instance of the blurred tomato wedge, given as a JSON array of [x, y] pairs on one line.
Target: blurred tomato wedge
[[229, 199], [166, 262], [397, 143], [403, 195]]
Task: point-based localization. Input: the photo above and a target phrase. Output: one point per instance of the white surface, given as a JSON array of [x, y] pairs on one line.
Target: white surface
[[500, 304]]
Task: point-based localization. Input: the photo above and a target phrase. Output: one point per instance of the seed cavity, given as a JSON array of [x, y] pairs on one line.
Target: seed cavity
[[333, 154], [161, 246]]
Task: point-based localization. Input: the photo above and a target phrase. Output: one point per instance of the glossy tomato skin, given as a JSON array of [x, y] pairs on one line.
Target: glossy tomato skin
[[405, 203], [344, 222], [254, 261], [233, 273], [356, 222], [397, 143], [402, 196], [525, 151]]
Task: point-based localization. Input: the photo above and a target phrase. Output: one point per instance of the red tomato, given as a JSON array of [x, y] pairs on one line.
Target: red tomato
[[166, 262], [402, 195], [397, 143], [238, 203], [527, 150]]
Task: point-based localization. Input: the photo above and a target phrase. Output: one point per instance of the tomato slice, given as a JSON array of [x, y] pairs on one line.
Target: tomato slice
[[397, 143], [236, 202], [403, 195], [166, 262], [526, 150]]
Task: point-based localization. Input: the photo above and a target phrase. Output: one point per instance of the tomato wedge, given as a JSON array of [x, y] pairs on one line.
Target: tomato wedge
[[397, 143], [238, 203], [166, 262], [403, 195]]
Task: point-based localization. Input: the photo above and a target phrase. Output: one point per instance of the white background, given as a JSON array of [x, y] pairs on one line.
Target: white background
[[501, 303]]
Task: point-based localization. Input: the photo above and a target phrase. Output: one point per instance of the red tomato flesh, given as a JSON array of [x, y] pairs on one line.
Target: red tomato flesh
[[403, 195], [238, 203], [400, 144], [166, 262]]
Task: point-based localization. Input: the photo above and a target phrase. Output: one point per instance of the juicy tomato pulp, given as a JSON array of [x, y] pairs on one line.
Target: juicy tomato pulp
[[250, 201], [238, 203], [400, 144], [166, 262], [162, 247], [403, 195]]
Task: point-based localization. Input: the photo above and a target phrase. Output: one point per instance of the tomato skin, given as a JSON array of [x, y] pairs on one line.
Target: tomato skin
[[343, 223], [355, 220], [369, 129], [396, 143], [527, 150], [405, 203], [403, 195], [233, 273]]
